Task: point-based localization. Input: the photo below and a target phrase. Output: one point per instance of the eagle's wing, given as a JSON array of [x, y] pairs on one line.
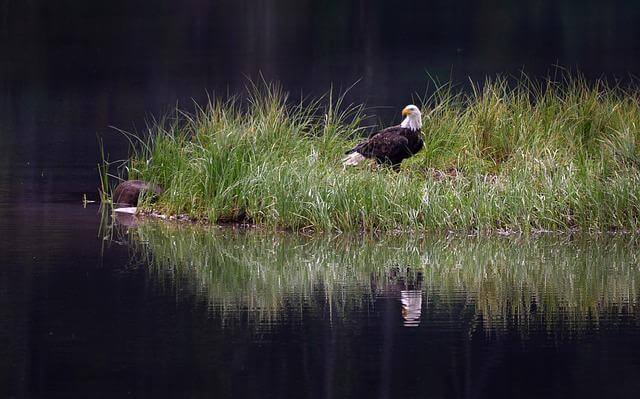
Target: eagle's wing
[[363, 144], [387, 144], [390, 128]]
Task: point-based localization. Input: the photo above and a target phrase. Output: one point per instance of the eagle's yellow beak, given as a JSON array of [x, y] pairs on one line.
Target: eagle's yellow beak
[[406, 111]]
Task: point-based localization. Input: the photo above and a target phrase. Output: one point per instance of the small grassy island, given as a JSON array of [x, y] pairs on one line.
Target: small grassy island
[[523, 156]]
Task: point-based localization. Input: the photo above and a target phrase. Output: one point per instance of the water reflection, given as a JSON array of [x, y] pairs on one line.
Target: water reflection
[[557, 284], [410, 290]]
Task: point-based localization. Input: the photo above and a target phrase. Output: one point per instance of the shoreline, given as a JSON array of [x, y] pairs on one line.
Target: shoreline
[[142, 216]]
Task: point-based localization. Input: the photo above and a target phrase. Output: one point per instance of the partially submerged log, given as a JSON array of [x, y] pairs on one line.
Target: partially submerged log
[[128, 192]]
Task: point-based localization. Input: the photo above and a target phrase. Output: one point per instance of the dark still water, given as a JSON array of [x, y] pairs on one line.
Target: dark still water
[[165, 311]]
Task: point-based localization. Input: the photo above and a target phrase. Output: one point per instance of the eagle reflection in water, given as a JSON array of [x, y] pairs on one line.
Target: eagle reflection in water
[[409, 284]]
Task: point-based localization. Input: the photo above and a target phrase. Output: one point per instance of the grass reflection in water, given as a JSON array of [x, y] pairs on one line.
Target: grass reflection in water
[[491, 283]]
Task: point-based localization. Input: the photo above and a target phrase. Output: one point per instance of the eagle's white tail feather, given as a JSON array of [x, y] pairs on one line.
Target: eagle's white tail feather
[[353, 159]]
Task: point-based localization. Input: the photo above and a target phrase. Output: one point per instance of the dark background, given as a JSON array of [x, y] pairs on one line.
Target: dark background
[[70, 69]]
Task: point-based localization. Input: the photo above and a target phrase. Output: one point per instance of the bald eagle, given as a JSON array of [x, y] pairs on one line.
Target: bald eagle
[[392, 145]]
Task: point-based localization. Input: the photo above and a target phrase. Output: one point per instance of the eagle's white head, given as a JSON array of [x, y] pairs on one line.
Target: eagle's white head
[[412, 117]]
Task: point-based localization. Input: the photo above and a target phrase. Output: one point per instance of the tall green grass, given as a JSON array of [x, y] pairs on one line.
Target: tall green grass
[[523, 155]]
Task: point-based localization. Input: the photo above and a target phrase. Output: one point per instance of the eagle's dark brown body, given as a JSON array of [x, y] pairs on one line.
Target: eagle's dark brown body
[[390, 146]]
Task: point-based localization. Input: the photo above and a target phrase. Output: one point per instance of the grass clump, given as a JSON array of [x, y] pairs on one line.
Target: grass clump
[[521, 156]]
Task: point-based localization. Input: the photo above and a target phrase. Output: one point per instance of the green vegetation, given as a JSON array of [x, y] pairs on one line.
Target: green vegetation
[[487, 282], [520, 156]]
